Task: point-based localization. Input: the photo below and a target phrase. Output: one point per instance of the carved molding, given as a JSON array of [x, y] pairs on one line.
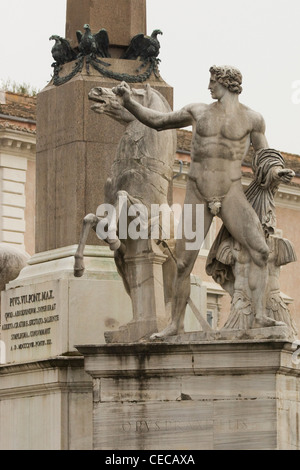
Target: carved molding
[[18, 143]]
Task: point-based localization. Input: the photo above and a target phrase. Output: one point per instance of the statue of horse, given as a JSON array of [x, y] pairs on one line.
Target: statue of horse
[[141, 174]]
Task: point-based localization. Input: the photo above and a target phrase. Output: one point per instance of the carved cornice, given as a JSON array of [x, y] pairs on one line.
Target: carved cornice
[[18, 143], [288, 197]]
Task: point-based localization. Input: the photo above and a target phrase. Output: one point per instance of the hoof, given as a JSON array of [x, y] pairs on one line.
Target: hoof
[[78, 266], [78, 272]]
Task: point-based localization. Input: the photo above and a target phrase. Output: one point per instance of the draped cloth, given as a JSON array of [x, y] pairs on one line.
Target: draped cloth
[[260, 194], [241, 313]]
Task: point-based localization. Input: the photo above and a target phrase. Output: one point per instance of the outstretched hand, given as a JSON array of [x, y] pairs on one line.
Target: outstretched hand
[[284, 175], [123, 91]]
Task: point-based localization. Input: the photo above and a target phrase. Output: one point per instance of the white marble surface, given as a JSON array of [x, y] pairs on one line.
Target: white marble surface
[[46, 311], [46, 405], [218, 396]]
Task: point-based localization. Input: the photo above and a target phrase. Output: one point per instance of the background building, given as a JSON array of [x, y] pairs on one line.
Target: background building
[[17, 169]]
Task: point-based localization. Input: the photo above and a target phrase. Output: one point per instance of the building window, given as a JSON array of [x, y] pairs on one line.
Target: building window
[[209, 317]]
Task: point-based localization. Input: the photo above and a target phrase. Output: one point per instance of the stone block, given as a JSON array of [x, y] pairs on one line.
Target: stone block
[[13, 187], [46, 310], [14, 212], [12, 237], [13, 161], [17, 225], [46, 405], [204, 396], [14, 175]]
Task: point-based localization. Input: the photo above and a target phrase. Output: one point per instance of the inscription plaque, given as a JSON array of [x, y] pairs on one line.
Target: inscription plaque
[[31, 321]]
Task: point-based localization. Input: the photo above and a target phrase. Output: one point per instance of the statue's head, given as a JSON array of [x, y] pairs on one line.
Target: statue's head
[[230, 77]]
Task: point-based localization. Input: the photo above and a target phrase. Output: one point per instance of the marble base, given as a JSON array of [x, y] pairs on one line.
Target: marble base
[[192, 396], [46, 405], [283, 333], [46, 310], [130, 332]]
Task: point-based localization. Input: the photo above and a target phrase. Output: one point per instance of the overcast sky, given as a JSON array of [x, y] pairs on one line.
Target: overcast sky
[[260, 37]]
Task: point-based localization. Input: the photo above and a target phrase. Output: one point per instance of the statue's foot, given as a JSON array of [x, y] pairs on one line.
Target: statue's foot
[[78, 267], [170, 330], [264, 321]]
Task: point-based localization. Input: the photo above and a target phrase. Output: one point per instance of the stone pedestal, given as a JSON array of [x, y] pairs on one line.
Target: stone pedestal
[[46, 405], [46, 310], [144, 275], [218, 395]]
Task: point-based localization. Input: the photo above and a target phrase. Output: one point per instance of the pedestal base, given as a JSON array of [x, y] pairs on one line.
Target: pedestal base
[[277, 333], [217, 395], [46, 405], [46, 310], [130, 332]]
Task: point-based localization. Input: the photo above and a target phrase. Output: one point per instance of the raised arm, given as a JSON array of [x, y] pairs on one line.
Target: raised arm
[[149, 117]]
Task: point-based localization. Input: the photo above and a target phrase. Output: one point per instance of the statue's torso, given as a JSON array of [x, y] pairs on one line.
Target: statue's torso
[[220, 142]]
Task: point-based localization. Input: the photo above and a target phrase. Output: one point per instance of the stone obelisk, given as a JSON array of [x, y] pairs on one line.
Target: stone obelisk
[[123, 19]]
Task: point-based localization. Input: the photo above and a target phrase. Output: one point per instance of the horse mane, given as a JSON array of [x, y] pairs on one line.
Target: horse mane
[[152, 98]]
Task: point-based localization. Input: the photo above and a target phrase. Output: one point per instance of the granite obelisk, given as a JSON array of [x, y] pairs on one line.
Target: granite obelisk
[[123, 19]]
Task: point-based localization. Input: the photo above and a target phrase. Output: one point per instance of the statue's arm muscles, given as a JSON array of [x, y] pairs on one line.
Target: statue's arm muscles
[[158, 120], [257, 135]]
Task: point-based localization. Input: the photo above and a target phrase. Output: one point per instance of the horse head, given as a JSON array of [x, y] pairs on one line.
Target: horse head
[[106, 102]]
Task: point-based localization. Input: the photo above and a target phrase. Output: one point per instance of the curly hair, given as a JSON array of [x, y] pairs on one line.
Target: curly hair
[[228, 76]]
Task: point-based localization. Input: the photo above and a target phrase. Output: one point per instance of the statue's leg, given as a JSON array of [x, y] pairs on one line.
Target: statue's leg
[[90, 221], [186, 259], [169, 272], [243, 224]]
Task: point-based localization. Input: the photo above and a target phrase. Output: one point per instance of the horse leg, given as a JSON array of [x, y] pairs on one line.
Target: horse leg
[[90, 221], [123, 201]]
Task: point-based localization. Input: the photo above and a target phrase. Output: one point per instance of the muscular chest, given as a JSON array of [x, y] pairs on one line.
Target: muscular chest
[[229, 125]]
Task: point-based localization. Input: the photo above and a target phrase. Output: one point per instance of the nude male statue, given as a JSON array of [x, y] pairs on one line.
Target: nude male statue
[[222, 134]]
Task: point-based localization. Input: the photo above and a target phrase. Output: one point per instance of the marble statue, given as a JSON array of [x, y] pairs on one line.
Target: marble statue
[[222, 134], [228, 262], [141, 175], [241, 314]]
